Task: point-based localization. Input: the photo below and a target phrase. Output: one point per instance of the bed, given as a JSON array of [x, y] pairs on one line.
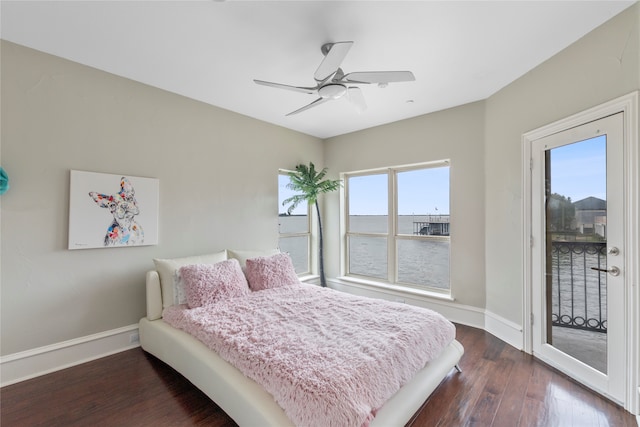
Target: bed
[[243, 395]]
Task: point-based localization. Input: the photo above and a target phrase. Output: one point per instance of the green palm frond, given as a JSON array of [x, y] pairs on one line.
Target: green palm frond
[[295, 201], [309, 185]]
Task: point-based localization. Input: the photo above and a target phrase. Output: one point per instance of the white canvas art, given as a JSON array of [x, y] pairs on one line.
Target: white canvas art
[[107, 210]]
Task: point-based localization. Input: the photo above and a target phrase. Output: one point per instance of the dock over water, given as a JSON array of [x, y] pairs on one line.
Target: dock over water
[[433, 225]]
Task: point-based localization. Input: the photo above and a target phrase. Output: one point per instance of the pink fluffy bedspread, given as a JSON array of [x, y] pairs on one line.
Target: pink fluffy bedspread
[[327, 357]]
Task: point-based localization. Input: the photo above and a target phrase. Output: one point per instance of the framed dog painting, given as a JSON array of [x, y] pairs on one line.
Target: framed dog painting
[[107, 210]]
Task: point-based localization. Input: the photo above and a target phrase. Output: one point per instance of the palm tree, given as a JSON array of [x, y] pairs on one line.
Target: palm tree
[[309, 185]]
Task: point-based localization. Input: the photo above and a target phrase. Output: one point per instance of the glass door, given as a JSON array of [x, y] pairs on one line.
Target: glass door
[[578, 266]]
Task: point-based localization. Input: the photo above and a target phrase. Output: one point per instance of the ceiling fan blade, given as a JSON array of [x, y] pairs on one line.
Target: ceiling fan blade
[[332, 60], [313, 104], [379, 77], [357, 99], [288, 87]]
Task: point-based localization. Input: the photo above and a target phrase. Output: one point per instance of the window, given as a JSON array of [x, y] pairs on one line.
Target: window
[[294, 229], [398, 225]]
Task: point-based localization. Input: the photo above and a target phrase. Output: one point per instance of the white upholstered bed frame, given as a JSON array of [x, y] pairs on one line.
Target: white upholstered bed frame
[[246, 401]]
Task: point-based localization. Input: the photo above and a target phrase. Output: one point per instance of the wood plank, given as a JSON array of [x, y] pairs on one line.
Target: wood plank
[[499, 386], [512, 404]]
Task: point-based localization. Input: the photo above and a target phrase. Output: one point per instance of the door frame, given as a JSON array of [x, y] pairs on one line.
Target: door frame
[[628, 105]]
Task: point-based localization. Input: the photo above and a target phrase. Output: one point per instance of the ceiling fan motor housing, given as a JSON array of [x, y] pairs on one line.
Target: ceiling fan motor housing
[[332, 90]]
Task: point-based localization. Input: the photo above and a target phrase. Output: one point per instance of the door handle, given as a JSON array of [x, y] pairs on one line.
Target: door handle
[[613, 270]]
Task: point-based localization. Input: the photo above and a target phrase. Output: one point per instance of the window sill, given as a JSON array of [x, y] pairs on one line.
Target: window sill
[[398, 290], [309, 278]]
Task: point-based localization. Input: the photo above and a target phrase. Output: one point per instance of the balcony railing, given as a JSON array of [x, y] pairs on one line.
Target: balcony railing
[[579, 294]]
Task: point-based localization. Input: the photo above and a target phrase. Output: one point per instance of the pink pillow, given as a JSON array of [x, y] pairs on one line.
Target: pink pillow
[[271, 272], [208, 283]]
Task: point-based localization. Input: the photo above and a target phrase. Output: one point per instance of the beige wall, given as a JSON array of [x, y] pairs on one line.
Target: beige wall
[[218, 188], [599, 67], [456, 134], [218, 185]]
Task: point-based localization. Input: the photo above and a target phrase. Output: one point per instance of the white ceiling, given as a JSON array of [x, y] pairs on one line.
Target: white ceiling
[[459, 51]]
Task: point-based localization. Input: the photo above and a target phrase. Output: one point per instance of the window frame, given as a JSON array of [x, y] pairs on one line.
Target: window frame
[[392, 235], [309, 234]]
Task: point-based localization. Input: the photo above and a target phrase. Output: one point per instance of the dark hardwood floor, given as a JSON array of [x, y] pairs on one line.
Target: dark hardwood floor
[[498, 386]]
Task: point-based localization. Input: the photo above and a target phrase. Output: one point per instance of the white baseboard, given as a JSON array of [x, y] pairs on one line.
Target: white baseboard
[[43, 360], [457, 313], [504, 329]]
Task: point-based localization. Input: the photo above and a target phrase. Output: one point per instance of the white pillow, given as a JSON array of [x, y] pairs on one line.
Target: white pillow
[[242, 256], [170, 283]]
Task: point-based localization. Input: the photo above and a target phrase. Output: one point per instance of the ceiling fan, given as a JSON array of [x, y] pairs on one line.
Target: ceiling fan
[[332, 83]]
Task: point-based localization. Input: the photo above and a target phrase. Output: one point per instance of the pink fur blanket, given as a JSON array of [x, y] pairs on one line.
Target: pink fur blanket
[[328, 358]]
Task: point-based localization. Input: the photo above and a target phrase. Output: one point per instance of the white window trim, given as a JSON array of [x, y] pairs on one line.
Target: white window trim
[[397, 288], [391, 283], [311, 241]]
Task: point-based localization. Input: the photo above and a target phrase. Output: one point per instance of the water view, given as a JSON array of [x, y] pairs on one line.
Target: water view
[[421, 262]]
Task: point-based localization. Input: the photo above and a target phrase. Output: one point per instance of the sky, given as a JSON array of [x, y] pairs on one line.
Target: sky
[[579, 170], [284, 193], [424, 191], [420, 192]]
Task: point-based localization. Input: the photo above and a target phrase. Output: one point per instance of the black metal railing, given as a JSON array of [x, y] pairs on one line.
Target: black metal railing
[[579, 293]]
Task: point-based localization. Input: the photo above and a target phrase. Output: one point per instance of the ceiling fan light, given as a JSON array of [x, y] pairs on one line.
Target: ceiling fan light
[[332, 91]]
